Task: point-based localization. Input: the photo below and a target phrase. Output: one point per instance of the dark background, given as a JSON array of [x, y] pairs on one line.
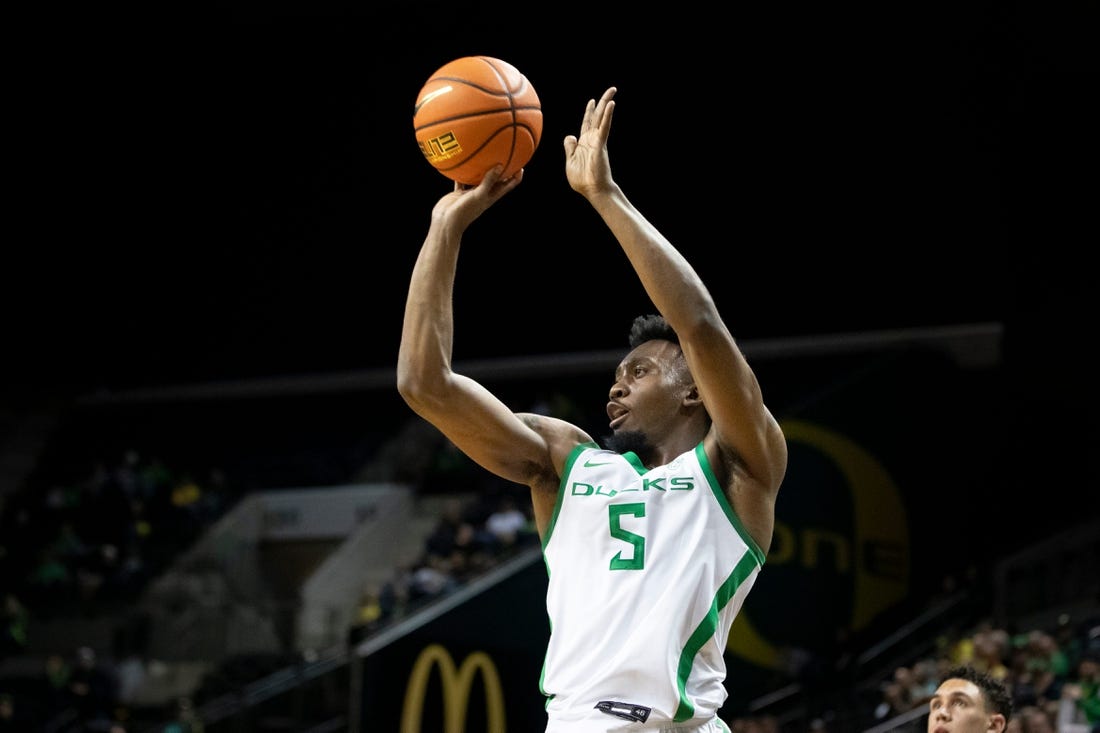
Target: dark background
[[235, 193], [238, 194]]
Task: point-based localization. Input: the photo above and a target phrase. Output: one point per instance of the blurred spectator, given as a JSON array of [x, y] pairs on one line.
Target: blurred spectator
[[185, 518], [150, 477], [394, 596], [12, 718], [1034, 719], [368, 615], [1080, 701], [186, 494], [797, 662], [132, 672], [895, 701], [49, 582], [1045, 663], [924, 681], [452, 531], [508, 526], [186, 719], [14, 626], [58, 673], [990, 651], [94, 688], [431, 578]]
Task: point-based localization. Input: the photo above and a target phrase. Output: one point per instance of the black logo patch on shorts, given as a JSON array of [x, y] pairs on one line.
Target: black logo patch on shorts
[[624, 710]]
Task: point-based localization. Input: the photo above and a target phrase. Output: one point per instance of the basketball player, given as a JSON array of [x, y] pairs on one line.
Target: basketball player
[[653, 541], [969, 701]]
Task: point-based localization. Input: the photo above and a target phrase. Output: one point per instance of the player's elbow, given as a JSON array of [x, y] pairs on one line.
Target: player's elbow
[[406, 387], [419, 388], [411, 386]]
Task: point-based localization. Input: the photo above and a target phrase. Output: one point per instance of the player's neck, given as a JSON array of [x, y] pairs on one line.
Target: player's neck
[[667, 450]]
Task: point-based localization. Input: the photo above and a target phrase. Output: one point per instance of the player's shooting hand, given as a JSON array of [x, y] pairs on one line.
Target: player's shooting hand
[[465, 203]]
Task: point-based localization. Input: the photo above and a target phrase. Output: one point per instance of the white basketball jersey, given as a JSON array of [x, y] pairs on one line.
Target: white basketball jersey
[[647, 570]]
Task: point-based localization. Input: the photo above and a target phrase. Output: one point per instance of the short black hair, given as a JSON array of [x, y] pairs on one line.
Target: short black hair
[[649, 328], [997, 697]]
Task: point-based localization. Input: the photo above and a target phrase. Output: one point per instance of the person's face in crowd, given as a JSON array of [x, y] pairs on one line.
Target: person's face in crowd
[[959, 707]]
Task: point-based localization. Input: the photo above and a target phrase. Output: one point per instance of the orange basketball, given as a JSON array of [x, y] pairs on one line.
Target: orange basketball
[[476, 112]]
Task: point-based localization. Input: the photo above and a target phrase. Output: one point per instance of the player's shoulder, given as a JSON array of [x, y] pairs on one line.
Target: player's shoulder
[[554, 428]]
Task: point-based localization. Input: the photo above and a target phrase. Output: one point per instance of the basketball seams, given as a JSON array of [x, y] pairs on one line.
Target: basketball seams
[[512, 108], [503, 80], [486, 115], [511, 103], [474, 85]]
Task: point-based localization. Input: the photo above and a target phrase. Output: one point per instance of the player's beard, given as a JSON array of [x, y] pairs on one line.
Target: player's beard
[[626, 441]]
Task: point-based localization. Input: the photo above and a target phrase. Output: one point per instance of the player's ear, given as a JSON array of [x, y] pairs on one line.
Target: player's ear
[[691, 396]]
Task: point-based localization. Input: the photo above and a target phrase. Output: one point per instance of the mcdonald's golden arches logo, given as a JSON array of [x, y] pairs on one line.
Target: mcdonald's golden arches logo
[[456, 690]]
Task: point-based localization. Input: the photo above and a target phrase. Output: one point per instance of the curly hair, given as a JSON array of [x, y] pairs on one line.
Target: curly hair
[[650, 328], [997, 697]]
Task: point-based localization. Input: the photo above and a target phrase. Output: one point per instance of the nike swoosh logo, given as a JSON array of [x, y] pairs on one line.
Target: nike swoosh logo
[[590, 464], [429, 97]]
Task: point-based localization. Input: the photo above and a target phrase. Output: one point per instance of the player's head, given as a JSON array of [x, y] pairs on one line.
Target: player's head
[[653, 392], [969, 701], [654, 328]]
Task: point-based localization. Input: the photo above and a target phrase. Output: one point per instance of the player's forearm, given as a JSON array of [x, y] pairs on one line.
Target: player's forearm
[[427, 335], [668, 278], [426, 339]]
